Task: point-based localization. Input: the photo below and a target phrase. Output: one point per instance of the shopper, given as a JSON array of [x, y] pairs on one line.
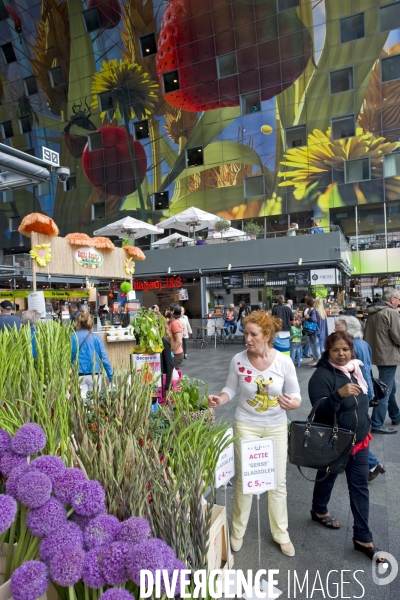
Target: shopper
[[293, 229], [167, 361], [311, 316], [176, 329], [244, 310], [284, 312], [7, 319], [179, 243], [321, 332], [79, 308], [187, 331], [200, 242], [338, 380], [30, 318], [91, 354], [230, 321], [315, 229], [261, 412], [295, 342]]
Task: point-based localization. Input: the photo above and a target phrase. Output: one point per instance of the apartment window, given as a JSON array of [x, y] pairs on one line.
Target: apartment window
[[253, 186], [227, 65], [391, 165], [106, 101], [341, 81], [141, 129], [43, 188], [287, 4], [98, 211], [7, 129], [171, 82], [389, 17], [25, 125], [161, 200], [30, 85], [343, 127], [296, 136], [148, 44], [56, 77], [357, 170], [8, 53], [352, 28], [95, 141], [91, 20], [345, 218], [14, 223], [390, 68], [250, 103], [194, 157], [70, 184]]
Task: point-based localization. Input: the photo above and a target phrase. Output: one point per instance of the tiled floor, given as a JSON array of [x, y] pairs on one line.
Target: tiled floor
[[318, 550]]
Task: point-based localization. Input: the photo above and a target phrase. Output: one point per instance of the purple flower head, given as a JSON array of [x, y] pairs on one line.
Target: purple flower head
[[52, 466], [112, 562], [8, 510], [14, 477], [117, 594], [100, 531], [65, 484], [88, 498], [29, 581], [91, 574], [144, 556], [66, 566], [9, 461], [67, 534], [34, 489], [166, 551], [5, 442], [178, 565], [29, 439], [44, 520], [133, 531]]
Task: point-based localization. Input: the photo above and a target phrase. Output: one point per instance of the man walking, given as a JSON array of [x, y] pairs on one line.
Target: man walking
[[7, 319], [382, 333]]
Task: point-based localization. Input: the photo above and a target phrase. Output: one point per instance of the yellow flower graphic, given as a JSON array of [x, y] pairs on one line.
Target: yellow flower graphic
[[129, 266], [42, 254]]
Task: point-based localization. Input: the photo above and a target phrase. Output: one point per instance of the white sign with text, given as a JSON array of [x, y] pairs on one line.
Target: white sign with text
[[258, 465], [226, 463]]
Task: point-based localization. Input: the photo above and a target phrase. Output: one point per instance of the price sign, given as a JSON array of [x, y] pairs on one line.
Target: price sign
[[258, 465], [226, 464]]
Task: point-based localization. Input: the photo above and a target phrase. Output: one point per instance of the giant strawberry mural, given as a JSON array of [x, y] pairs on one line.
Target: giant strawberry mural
[[195, 34]]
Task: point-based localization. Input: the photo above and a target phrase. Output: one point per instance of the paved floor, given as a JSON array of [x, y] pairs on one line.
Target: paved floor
[[318, 550]]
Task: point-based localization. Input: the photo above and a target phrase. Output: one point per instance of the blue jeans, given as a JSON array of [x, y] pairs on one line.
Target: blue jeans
[[228, 325], [295, 352], [314, 343], [388, 404], [373, 461]]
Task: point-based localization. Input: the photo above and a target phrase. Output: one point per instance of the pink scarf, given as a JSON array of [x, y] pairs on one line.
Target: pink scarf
[[353, 366]]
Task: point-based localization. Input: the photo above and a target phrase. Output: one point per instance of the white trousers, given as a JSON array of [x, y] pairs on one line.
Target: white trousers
[[87, 384]]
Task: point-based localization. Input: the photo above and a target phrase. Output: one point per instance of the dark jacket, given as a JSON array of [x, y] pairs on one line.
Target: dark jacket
[[325, 382], [382, 333], [167, 363], [243, 312], [284, 312]]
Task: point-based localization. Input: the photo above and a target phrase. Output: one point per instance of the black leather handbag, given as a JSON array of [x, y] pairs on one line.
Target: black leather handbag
[[318, 446], [381, 390]]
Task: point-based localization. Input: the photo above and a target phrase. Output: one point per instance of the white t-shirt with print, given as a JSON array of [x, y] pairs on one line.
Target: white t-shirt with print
[[259, 389]]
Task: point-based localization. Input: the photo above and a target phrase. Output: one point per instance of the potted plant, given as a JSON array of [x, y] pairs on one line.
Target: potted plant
[[222, 225], [252, 229], [172, 242], [149, 330]]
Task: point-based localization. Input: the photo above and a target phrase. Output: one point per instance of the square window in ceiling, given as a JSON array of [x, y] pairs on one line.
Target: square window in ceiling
[[194, 157], [287, 4], [56, 77], [227, 65], [391, 165], [253, 186], [7, 129], [296, 136], [98, 211], [341, 81], [25, 125], [389, 17], [161, 200], [70, 184], [250, 103], [171, 82], [390, 68], [95, 141], [148, 44], [106, 101], [30, 85], [352, 28], [8, 53], [343, 127], [357, 170], [141, 129], [91, 19]]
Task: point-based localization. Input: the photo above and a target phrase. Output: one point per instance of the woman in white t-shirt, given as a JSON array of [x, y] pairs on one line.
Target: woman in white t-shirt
[[187, 331], [268, 387]]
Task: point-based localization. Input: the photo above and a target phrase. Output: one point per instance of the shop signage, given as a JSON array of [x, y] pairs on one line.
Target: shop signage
[[158, 284], [232, 281], [258, 465], [47, 294], [323, 277], [90, 258], [226, 463], [299, 278]]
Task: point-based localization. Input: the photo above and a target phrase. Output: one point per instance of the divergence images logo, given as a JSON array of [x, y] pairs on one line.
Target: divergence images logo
[[384, 573]]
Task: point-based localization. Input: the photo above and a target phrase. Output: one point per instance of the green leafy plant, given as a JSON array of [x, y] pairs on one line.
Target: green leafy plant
[[252, 229], [222, 225], [149, 331], [172, 242]]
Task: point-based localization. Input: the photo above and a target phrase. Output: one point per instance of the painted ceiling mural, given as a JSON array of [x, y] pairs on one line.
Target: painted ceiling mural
[[227, 105]]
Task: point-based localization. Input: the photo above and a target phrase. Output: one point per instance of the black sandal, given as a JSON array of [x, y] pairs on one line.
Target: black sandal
[[369, 551], [327, 521]]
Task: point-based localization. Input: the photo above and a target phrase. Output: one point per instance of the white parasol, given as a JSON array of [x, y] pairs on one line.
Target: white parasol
[[192, 219], [129, 227], [174, 236], [229, 235]]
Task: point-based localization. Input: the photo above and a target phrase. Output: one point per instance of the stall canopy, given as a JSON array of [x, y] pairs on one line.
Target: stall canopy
[[230, 235], [192, 219], [164, 242], [129, 227]]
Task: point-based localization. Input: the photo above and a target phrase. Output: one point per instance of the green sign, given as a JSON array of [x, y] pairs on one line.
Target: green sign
[[61, 294]]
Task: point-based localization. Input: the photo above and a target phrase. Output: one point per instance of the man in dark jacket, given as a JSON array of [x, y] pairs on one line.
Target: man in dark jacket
[[284, 312], [6, 318], [382, 333]]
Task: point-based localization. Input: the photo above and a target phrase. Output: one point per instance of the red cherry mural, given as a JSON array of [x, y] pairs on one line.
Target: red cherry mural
[[110, 168], [193, 34], [108, 11]]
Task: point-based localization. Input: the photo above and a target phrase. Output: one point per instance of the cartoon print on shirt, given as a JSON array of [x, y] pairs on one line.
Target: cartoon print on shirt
[[262, 400]]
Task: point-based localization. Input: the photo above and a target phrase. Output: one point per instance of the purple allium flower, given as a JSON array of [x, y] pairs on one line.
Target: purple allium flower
[[14, 477], [65, 484], [117, 594], [91, 574], [44, 520], [100, 531], [52, 466], [133, 531], [8, 510], [67, 534], [29, 439], [66, 566], [34, 489], [29, 581], [5, 442], [178, 565], [144, 556], [88, 498], [167, 553], [112, 562], [9, 461]]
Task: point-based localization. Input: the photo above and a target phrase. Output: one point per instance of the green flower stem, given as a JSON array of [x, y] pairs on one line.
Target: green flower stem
[[3, 537], [10, 549], [21, 547], [154, 130], [71, 510], [132, 155], [71, 593], [86, 592], [32, 549]]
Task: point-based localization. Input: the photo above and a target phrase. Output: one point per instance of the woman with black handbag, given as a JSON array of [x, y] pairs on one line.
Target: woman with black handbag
[[339, 381]]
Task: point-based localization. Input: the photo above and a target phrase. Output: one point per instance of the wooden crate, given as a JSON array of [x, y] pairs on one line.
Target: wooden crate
[[217, 556]]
